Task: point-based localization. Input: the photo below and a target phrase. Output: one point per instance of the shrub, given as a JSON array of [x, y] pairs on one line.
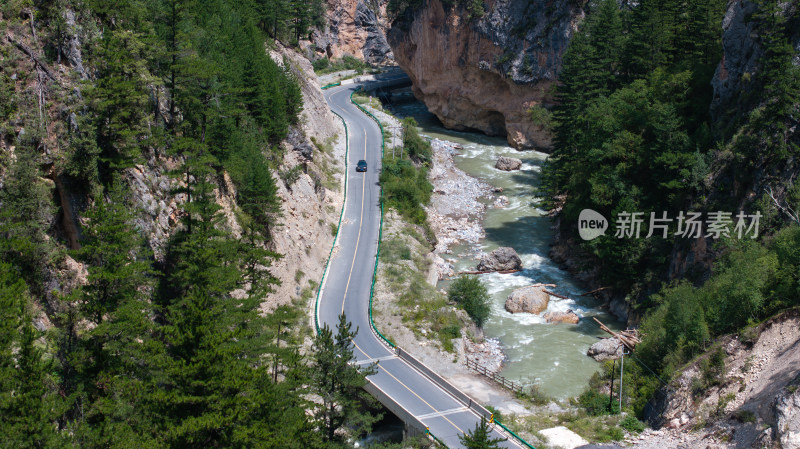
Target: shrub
[[498, 416], [417, 148], [534, 394], [631, 424], [324, 65], [744, 416], [321, 64], [713, 368], [291, 175], [469, 293], [406, 188], [597, 404]]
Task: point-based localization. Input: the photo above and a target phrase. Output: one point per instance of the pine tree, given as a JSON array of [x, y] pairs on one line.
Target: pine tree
[[480, 437], [779, 75], [339, 383], [27, 403], [113, 358], [120, 99], [217, 387], [25, 211]]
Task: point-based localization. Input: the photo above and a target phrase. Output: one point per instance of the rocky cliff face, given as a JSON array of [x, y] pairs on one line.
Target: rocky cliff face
[[356, 28], [486, 73], [736, 75], [740, 61]]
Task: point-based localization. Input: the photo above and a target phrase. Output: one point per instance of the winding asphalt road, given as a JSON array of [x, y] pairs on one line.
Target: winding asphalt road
[[347, 290]]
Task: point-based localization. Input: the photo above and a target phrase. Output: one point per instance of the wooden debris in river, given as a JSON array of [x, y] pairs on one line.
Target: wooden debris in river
[[628, 337]]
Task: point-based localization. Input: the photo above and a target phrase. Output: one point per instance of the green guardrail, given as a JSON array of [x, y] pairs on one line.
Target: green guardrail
[[380, 229], [428, 431], [519, 438], [339, 226], [328, 86], [375, 273]]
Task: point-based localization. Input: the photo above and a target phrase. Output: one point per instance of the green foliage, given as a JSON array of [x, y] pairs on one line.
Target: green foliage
[[396, 8], [26, 400], [176, 353], [632, 124], [535, 394], [750, 283], [780, 78], [406, 188], [745, 416], [347, 62], [596, 404], [291, 175], [475, 8], [498, 416], [24, 216], [471, 295], [8, 103], [320, 64], [480, 437], [631, 424], [541, 117], [414, 145], [119, 98], [339, 383]]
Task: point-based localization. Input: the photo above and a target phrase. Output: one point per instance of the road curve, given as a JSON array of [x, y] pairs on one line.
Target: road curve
[[347, 289]]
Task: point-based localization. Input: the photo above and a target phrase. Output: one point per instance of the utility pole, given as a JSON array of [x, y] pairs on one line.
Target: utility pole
[[621, 373]]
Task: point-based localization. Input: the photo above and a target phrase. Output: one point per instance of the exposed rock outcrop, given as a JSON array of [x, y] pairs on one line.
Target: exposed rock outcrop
[[757, 371], [740, 62], [531, 299], [501, 259], [787, 418], [508, 163], [568, 317], [605, 349], [444, 269], [486, 73], [356, 28]]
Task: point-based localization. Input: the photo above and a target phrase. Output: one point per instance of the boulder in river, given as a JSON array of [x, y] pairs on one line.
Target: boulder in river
[[501, 202], [501, 259], [605, 349], [508, 163], [531, 299], [568, 317]]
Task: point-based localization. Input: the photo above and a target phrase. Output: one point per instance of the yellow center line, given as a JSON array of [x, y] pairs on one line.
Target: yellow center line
[[360, 224], [409, 389], [347, 287]]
